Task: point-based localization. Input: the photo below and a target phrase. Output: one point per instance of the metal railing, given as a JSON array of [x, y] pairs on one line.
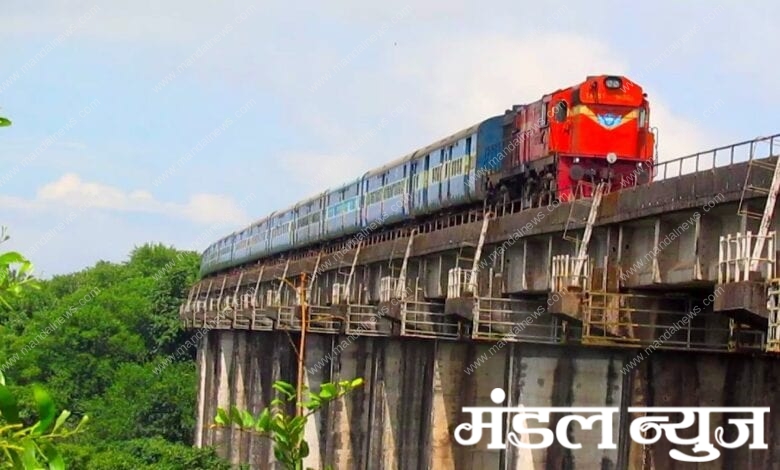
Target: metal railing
[[773, 327], [388, 286], [663, 322], [501, 319], [563, 277], [735, 256], [364, 320], [287, 319], [427, 320], [459, 282], [758, 148], [320, 319], [339, 293], [261, 322]]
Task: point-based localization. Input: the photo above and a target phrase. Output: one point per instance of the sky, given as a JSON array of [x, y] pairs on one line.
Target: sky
[[181, 121]]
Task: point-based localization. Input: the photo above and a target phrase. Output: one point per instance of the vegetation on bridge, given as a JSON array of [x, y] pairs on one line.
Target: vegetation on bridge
[[286, 430]]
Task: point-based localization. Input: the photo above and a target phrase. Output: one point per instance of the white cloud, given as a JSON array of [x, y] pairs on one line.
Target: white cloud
[[211, 209], [71, 191], [463, 80], [176, 21], [317, 172], [455, 81], [679, 136]]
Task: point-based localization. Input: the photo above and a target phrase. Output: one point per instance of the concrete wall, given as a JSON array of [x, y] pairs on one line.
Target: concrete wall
[[406, 414]]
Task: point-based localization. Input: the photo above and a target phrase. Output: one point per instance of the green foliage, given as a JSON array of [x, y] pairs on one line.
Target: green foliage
[[286, 431], [30, 446], [94, 338], [145, 454], [15, 274], [156, 405], [25, 444]]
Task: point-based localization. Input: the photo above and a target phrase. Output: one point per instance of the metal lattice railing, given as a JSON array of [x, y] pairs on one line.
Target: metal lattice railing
[[665, 322], [365, 320], [736, 256], [388, 288], [563, 277], [758, 148], [502, 319], [773, 306], [427, 320], [459, 282]]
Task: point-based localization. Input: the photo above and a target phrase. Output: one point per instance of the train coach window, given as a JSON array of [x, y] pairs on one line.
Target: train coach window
[[468, 145], [561, 111]]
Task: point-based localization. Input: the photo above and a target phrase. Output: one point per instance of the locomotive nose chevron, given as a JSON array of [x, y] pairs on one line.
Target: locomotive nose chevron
[[609, 120]]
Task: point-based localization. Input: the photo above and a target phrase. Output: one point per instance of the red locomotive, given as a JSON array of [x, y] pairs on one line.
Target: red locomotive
[[596, 131]]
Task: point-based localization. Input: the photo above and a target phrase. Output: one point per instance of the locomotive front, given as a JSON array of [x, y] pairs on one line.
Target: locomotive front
[[604, 134]]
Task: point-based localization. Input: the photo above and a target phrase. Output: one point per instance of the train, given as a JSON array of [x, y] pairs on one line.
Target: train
[[595, 131]]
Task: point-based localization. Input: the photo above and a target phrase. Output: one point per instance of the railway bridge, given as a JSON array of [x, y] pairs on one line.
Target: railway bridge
[[663, 294]]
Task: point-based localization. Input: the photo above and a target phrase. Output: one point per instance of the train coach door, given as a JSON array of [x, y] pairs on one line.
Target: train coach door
[[561, 138], [544, 128], [426, 183], [413, 185]]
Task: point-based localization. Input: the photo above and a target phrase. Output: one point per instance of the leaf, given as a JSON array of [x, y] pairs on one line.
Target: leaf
[[236, 417], [8, 406], [4, 122], [285, 388], [304, 449], [82, 423], [54, 457], [28, 457], [263, 421], [61, 420], [247, 419], [2, 378], [311, 405], [15, 458], [222, 417], [356, 383], [327, 391], [296, 427], [46, 410], [279, 426], [12, 257]]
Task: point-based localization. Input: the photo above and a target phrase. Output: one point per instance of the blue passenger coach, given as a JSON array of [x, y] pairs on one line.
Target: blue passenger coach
[[281, 231], [309, 220], [386, 191], [343, 209], [433, 178]]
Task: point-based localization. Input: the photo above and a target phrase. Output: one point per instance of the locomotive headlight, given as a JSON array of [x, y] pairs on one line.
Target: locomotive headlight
[[611, 158], [612, 83], [576, 160]]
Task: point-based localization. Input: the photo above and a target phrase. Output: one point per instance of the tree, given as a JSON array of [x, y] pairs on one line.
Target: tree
[[23, 445], [110, 326], [286, 431], [15, 272]]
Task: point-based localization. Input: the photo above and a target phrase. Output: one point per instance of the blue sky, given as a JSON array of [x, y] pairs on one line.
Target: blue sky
[[316, 93]]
